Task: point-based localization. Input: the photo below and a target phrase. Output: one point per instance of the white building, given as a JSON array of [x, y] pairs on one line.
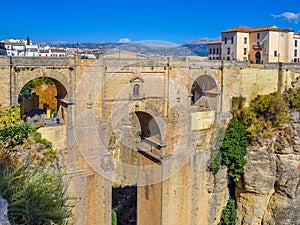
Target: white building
[[296, 48], [31, 50], [215, 50], [258, 45], [58, 52], [47, 51], [12, 47]]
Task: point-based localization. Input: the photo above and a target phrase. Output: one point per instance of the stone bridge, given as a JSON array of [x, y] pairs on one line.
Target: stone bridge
[[148, 123]]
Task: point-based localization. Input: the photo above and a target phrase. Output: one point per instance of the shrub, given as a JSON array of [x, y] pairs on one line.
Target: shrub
[[113, 217], [35, 194], [9, 116], [35, 190], [215, 161], [294, 97], [234, 148], [14, 135], [228, 216], [264, 112]]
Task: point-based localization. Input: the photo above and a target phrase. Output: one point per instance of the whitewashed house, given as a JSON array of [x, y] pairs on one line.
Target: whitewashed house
[[31, 50], [12, 47]]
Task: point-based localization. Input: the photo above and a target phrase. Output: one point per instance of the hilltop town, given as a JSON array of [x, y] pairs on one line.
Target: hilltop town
[[21, 47]]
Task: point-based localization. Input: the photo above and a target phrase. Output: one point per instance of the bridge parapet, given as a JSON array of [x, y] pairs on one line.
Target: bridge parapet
[[36, 61]]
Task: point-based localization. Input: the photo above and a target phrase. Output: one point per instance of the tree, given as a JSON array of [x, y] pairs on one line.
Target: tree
[[27, 88], [28, 40]]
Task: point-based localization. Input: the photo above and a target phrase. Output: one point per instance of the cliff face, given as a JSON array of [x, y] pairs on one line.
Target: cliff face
[[269, 191], [3, 212]]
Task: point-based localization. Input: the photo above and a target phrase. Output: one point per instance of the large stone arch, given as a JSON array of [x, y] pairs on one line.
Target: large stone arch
[[59, 79], [204, 93]]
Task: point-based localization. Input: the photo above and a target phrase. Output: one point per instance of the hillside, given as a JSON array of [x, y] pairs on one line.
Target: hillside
[[193, 47]]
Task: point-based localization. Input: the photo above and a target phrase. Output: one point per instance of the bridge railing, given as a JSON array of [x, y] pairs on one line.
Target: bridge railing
[[4, 61], [36, 61]]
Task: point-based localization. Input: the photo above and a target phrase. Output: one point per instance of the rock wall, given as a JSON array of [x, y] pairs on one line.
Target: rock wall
[[269, 192], [3, 212]]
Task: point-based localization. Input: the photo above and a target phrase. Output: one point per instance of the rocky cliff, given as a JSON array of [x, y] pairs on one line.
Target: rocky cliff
[[268, 192], [3, 212]]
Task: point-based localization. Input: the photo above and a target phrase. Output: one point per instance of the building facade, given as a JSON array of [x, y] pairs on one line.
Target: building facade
[[215, 50], [296, 48], [258, 45], [12, 47], [17, 47], [31, 50]]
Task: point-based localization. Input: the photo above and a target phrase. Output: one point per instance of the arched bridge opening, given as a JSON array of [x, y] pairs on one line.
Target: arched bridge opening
[[45, 99], [204, 93], [141, 202]]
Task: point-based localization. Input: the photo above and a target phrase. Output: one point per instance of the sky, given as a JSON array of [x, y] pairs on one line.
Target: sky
[[114, 20]]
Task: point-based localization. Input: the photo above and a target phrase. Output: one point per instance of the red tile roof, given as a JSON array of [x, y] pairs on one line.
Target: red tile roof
[[245, 29]]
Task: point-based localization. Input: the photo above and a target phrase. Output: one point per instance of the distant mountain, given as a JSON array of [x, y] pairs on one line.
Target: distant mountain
[[197, 47], [84, 45], [202, 41]]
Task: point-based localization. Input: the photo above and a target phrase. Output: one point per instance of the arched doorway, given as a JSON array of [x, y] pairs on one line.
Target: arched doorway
[[150, 177], [143, 200], [204, 93], [43, 97], [257, 57]]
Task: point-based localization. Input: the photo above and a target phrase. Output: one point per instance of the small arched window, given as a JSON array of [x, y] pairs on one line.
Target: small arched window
[[136, 90]]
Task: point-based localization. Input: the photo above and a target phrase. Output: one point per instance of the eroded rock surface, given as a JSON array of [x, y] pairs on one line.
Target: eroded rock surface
[[269, 191], [3, 212]]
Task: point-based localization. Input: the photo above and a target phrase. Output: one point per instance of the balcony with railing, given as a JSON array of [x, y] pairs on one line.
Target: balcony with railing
[[257, 46], [151, 149]]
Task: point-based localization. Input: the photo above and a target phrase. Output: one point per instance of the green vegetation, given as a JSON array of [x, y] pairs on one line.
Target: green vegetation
[[229, 213], [294, 97], [232, 151], [30, 179], [27, 40], [35, 83], [266, 111], [13, 135], [215, 160], [27, 88], [9, 116], [113, 217], [234, 148], [35, 195], [42, 80], [237, 103]]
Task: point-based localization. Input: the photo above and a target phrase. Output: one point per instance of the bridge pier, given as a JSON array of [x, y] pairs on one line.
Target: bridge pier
[[93, 199]]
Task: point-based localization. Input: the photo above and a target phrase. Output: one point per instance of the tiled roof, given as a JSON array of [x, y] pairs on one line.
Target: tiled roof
[[12, 43], [245, 29], [238, 29], [57, 50]]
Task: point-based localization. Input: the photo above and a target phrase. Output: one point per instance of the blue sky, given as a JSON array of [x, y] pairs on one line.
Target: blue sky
[[108, 21]]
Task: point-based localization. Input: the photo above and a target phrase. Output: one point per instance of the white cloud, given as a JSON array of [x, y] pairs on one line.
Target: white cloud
[[290, 16], [124, 40]]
